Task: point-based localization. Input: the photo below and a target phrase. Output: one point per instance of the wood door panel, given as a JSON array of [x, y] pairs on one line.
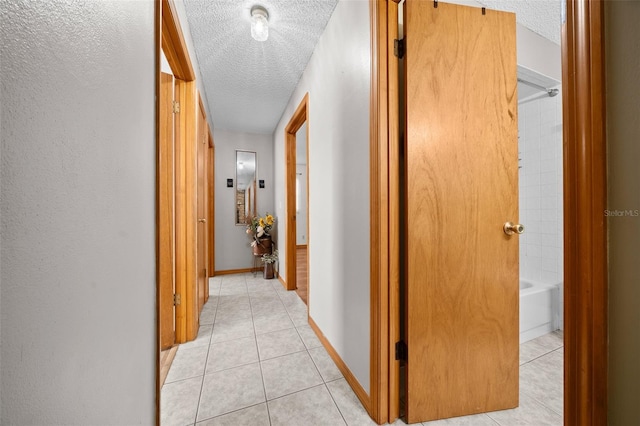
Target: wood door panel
[[461, 186], [166, 254], [202, 256]]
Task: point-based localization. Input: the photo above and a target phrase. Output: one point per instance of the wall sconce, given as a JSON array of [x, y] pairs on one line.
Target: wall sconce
[[259, 23]]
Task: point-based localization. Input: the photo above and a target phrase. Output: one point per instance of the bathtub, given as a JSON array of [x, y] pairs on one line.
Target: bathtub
[[540, 309]]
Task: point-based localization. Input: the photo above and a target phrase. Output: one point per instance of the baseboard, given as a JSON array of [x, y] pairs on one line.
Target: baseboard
[[348, 375], [236, 271], [282, 281]]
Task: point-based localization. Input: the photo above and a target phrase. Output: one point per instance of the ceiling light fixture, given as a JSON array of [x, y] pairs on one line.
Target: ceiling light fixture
[[259, 23]]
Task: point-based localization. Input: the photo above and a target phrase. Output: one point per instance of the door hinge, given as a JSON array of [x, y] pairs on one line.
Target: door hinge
[[176, 107], [401, 351], [399, 48], [177, 299]]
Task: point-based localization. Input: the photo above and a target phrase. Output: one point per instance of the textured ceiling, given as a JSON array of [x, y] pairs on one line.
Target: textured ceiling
[[540, 16], [248, 83]]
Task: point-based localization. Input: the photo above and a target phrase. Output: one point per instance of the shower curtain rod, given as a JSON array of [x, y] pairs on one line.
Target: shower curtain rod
[[550, 92]]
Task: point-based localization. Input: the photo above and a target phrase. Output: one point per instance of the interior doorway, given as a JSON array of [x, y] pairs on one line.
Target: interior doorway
[[302, 202], [583, 201], [297, 201]]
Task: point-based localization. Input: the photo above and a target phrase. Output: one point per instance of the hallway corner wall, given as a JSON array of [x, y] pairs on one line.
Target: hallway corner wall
[[232, 243], [337, 79], [622, 51], [188, 40], [78, 285]]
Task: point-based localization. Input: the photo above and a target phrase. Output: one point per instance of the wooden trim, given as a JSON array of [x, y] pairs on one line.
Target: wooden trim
[[348, 375], [165, 211], [236, 271], [393, 254], [211, 158], [299, 117], [179, 241], [308, 269], [585, 233], [186, 209], [166, 359], [301, 246], [173, 44], [379, 209], [284, 284], [189, 115], [204, 111]]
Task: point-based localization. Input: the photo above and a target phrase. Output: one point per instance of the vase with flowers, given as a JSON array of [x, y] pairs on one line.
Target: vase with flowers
[[269, 260], [258, 228]]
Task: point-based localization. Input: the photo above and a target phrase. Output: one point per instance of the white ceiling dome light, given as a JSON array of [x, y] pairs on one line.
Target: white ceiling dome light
[[259, 23]]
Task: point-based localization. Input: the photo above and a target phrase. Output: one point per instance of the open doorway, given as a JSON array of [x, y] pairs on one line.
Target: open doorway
[[297, 196], [583, 185], [302, 204]]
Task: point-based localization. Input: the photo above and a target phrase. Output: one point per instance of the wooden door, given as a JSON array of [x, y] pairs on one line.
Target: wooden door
[[166, 218], [202, 257], [211, 205], [461, 295]]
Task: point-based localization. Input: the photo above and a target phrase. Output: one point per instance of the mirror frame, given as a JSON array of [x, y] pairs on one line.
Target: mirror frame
[[251, 208]]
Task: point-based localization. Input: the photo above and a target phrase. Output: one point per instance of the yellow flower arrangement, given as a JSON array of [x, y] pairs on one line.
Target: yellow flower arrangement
[[259, 227]]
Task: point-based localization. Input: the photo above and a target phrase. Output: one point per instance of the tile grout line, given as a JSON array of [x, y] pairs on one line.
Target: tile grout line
[[255, 336], [336, 404], [204, 371], [540, 356]]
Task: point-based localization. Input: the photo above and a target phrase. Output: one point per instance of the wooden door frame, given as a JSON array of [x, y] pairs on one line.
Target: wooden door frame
[[169, 39], [211, 155], [299, 117], [384, 209], [585, 183], [585, 232], [165, 212], [172, 43]]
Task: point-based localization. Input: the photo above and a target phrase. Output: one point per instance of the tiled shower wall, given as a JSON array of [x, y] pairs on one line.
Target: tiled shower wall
[[540, 154]]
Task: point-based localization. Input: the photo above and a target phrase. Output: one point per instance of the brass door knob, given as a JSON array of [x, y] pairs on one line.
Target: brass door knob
[[202, 220], [513, 228]]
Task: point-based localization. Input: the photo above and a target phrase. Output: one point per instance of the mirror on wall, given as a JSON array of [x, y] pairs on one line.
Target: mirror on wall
[[245, 202]]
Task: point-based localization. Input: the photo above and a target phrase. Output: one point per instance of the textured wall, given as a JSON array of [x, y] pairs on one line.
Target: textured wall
[[232, 243], [77, 212], [541, 16], [623, 128], [337, 79]]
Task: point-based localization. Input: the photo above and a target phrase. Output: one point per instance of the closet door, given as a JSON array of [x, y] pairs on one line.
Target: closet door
[[166, 217], [461, 296]]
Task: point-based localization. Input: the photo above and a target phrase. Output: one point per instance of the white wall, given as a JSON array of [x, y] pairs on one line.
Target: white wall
[[623, 157], [337, 79], [188, 40], [77, 212], [232, 243], [537, 53], [540, 151], [540, 182]]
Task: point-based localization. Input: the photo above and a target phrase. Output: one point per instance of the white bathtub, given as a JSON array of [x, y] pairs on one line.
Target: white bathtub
[[540, 309]]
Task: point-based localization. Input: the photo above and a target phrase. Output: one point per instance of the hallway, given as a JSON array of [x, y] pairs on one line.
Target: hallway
[[256, 361], [260, 364]]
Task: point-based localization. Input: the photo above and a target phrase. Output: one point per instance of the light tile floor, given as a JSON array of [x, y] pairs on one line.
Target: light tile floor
[[256, 361]]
